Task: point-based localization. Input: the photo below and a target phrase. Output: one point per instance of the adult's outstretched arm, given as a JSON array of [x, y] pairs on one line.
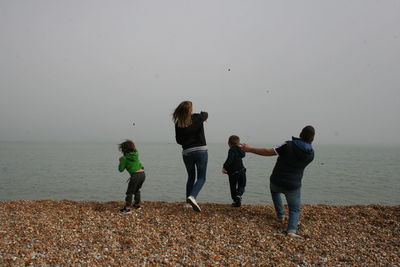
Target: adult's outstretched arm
[[259, 151]]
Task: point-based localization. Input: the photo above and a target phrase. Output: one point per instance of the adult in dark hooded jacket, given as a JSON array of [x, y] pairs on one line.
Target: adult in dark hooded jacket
[[286, 177]]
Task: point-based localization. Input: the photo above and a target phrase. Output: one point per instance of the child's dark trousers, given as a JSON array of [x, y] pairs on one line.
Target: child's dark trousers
[[135, 183], [237, 182]]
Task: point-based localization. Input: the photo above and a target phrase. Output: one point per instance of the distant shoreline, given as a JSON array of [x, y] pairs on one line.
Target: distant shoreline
[[222, 142], [65, 232]]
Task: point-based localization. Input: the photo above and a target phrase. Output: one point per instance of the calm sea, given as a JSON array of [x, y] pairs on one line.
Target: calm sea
[[339, 174]]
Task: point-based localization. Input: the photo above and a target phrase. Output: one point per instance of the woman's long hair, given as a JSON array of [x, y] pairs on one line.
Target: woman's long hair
[[127, 147], [182, 115]]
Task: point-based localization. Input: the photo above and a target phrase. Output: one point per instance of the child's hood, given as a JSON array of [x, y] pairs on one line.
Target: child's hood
[[238, 150], [133, 156]]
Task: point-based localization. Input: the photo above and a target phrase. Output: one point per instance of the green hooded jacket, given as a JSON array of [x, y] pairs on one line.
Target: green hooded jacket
[[130, 162]]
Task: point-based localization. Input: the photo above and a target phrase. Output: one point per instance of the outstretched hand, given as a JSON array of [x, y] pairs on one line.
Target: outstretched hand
[[224, 171], [259, 151], [245, 147]]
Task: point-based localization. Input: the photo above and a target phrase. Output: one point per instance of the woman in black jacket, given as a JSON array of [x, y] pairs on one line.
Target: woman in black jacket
[[189, 133]]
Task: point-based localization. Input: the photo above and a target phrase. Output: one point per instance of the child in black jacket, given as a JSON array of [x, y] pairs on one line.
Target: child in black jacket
[[233, 166]]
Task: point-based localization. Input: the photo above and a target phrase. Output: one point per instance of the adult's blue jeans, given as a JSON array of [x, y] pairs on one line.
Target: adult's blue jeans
[[293, 199], [195, 160]]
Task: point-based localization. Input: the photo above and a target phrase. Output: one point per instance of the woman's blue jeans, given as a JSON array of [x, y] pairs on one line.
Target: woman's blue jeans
[[293, 199], [196, 159]]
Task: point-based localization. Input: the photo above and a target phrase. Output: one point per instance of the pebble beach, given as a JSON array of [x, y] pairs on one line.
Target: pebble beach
[[70, 233]]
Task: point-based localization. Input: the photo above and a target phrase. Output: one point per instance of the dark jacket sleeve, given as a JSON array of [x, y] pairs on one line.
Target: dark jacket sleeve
[[229, 160], [204, 115], [178, 136]]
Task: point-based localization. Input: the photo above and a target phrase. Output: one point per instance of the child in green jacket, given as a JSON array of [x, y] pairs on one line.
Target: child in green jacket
[[130, 162]]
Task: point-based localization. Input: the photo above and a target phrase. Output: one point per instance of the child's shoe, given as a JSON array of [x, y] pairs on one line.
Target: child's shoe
[[238, 201], [137, 206], [280, 219], [126, 209]]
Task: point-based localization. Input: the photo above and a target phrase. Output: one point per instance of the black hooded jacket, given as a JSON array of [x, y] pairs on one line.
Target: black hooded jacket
[[293, 157], [234, 161]]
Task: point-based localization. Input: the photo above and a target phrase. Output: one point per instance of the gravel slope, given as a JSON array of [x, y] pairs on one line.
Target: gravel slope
[[69, 233]]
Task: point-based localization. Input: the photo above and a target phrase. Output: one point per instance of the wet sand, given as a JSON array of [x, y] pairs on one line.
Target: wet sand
[[69, 233]]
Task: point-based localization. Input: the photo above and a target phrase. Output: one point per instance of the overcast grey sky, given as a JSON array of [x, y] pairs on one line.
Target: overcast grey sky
[[86, 70]]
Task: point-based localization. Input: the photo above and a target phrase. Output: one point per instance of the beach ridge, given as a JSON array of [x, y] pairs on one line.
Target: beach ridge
[[65, 232]]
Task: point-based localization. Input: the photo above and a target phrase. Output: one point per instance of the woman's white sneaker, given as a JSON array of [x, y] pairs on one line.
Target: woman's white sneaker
[[192, 201]]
